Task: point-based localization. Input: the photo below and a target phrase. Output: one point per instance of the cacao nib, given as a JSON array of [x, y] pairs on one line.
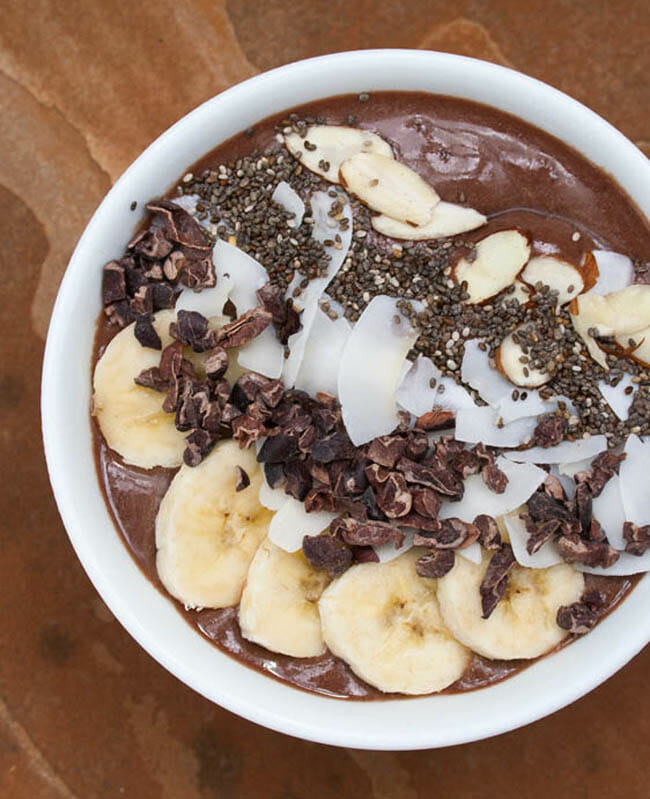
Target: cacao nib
[[242, 480], [574, 549], [376, 475], [278, 449], [244, 329], [369, 500], [364, 555], [151, 378], [180, 226], [319, 498], [435, 563], [553, 487], [247, 388], [494, 478], [637, 539], [495, 580], [540, 532], [246, 430], [286, 319], [386, 450], [393, 497], [191, 329], [435, 420], [326, 419], [145, 332], [174, 265], [485, 455], [366, 533], [417, 445], [170, 361], [583, 506], [443, 481], [163, 296], [152, 243], [335, 446], [489, 535], [541, 508], [272, 393], [199, 273], [199, 444], [351, 507], [603, 468], [465, 463], [327, 552], [454, 534], [274, 473], [577, 618], [120, 313], [142, 301], [418, 522], [549, 431], [426, 502], [299, 480], [216, 363], [113, 283]]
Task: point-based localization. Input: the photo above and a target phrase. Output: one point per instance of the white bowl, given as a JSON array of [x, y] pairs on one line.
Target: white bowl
[[152, 620]]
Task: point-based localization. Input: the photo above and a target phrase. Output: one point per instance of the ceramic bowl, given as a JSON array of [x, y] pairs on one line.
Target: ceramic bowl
[[550, 683]]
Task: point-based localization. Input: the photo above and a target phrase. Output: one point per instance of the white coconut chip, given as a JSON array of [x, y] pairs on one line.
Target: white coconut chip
[[333, 144], [416, 395], [568, 484], [388, 552], [370, 369], [287, 197], [572, 468], [564, 452], [271, 498], [247, 274], [264, 354], [608, 510], [475, 370], [473, 552], [309, 300], [633, 472], [547, 555], [208, 302], [319, 369], [447, 219], [617, 397], [476, 425], [523, 480], [291, 523], [615, 272]]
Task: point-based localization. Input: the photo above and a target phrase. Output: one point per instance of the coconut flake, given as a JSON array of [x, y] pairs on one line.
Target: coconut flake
[[271, 498], [616, 396], [475, 370], [208, 302], [510, 410], [609, 511], [287, 197], [564, 452], [370, 369], [615, 271], [264, 354], [633, 472], [447, 219], [572, 468], [319, 369], [547, 555], [291, 523], [626, 564], [523, 480], [247, 275], [567, 483], [388, 552], [476, 425], [473, 552], [416, 395]]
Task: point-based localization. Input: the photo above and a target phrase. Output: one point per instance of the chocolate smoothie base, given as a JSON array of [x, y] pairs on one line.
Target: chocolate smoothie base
[[511, 171]]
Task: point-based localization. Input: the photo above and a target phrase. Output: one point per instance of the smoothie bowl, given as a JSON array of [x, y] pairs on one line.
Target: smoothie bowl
[[345, 399]]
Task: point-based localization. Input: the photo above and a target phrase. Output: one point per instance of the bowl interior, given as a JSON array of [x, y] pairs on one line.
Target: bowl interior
[[416, 723]]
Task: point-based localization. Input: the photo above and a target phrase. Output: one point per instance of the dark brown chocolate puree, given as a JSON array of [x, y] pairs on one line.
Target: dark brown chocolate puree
[[516, 174]]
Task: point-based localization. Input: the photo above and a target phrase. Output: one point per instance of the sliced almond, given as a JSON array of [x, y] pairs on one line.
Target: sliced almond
[[521, 293], [330, 145], [521, 374], [638, 351], [499, 258], [448, 219], [556, 273], [590, 271], [389, 187], [621, 314]]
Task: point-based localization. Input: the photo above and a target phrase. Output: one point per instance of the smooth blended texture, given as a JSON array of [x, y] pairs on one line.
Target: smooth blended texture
[[84, 711], [511, 163]]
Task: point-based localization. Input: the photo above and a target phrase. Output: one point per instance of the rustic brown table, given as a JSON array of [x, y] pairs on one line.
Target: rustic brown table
[[84, 86]]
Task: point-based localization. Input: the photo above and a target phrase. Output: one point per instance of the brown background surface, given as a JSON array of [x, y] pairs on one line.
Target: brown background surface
[[84, 86]]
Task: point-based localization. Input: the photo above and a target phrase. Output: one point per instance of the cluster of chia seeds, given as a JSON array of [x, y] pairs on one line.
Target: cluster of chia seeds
[[236, 199]]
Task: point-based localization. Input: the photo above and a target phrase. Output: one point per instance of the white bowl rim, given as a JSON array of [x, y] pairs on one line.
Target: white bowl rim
[[388, 724]]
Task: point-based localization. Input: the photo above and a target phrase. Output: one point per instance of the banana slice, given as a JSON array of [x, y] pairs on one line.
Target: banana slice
[[523, 623], [131, 417], [279, 605], [206, 532], [384, 621]]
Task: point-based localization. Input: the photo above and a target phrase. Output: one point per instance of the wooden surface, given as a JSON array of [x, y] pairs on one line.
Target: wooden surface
[[84, 87]]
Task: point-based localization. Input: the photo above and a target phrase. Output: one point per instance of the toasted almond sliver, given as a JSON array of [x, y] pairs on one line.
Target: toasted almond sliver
[[640, 350], [448, 219], [333, 145], [556, 273], [389, 187], [519, 373], [500, 257]]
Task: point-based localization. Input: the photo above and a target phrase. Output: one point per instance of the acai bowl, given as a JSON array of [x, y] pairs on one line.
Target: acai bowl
[[382, 469]]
